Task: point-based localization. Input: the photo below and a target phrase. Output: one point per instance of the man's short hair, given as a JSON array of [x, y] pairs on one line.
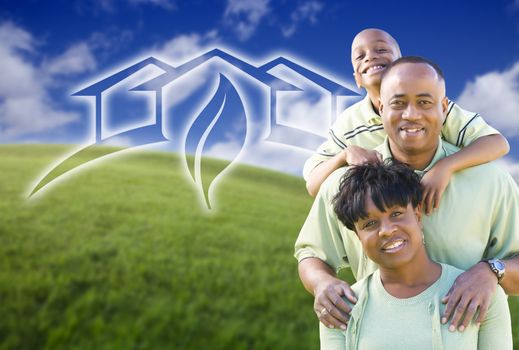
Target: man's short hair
[[387, 184], [413, 59]]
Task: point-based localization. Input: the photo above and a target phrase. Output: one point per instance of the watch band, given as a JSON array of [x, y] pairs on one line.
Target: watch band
[[497, 266]]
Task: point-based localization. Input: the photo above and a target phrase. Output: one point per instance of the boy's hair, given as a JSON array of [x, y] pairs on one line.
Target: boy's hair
[[413, 59], [387, 184]]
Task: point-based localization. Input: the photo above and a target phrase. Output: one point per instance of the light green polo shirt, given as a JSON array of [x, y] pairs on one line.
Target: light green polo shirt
[[478, 218], [381, 321], [360, 125]]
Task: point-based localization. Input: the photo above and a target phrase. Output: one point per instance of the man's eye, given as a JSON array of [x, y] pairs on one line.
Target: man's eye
[[424, 102]]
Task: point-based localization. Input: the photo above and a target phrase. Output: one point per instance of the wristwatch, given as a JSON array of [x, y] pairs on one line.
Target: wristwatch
[[498, 267]]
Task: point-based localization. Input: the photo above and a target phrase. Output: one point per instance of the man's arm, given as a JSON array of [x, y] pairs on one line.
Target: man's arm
[[474, 289], [481, 150], [320, 280]]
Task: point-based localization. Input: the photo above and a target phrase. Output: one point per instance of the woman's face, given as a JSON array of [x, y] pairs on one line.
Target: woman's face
[[391, 238]]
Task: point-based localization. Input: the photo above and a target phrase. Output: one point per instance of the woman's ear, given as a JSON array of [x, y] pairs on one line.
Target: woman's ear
[[418, 212]]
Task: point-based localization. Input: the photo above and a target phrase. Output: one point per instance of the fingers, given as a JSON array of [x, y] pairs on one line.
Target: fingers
[[331, 309], [427, 201], [483, 310], [470, 311]]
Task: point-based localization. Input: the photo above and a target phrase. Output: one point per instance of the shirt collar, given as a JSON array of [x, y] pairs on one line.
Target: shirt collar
[[439, 154], [367, 109]]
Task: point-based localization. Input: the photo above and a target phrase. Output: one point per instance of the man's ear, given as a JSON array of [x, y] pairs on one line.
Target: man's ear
[[445, 106], [358, 80]]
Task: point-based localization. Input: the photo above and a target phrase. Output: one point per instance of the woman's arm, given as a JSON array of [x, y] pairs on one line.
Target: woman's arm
[[495, 331]]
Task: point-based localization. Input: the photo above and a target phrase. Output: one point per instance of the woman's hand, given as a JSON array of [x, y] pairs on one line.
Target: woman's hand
[[435, 181]]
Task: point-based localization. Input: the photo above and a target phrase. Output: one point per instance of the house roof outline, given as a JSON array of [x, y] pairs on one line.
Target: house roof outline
[[318, 79], [259, 74], [108, 82]]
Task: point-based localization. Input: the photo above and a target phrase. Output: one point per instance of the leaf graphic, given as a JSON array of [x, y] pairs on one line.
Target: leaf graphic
[[222, 115], [139, 136]]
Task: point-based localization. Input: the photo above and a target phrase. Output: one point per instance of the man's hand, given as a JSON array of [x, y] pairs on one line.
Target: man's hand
[[472, 289], [329, 306], [435, 181], [357, 155]]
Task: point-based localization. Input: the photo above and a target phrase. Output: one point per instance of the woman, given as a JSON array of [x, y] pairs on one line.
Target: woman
[[399, 305]]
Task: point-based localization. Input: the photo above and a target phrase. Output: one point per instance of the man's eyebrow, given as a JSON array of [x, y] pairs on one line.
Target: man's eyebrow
[[425, 94]]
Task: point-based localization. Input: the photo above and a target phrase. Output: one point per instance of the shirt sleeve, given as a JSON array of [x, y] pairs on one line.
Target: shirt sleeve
[[504, 235], [320, 236], [462, 127], [332, 339], [496, 330], [335, 143]]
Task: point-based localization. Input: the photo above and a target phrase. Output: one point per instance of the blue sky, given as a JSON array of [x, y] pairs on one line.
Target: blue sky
[[51, 49]]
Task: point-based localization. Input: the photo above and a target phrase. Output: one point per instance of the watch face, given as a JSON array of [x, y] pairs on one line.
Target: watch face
[[499, 264]]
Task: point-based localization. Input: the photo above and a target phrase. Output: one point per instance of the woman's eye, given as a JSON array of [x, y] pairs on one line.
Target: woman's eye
[[396, 213], [369, 224]]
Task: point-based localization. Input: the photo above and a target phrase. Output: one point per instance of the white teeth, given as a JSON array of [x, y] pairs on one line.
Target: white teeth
[[394, 244], [370, 69]]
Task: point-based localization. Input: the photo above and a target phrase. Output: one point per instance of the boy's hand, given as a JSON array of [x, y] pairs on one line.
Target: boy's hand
[[356, 155], [435, 181]]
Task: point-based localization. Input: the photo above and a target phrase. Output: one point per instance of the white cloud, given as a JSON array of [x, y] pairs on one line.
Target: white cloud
[[305, 12], [166, 4], [77, 59], [25, 106], [244, 16], [495, 95], [112, 5], [299, 110], [263, 154], [182, 47], [511, 166]]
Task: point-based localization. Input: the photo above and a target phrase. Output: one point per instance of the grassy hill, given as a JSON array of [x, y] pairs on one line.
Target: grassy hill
[[120, 256]]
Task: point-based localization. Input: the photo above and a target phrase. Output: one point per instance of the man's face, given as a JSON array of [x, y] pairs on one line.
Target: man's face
[[413, 107], [371, 51]]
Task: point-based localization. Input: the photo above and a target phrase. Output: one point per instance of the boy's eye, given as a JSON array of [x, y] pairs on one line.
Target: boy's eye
[[359, 57]]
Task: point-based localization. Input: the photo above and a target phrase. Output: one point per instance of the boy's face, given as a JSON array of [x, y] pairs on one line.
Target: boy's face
[[371, 51]]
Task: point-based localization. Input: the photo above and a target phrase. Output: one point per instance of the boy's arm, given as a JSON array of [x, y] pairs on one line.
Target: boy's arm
[[352, 155], [481, 150]]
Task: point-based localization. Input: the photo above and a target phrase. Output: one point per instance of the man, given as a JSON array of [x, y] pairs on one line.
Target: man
[[359, 128], [478, 217]]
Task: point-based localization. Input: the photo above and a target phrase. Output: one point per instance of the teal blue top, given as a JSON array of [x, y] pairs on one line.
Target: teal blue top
[[380, 321], [478, 218]]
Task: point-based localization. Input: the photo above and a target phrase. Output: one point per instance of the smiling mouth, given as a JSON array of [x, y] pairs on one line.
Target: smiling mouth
[[414, 131], [393, 246], [374, 69]]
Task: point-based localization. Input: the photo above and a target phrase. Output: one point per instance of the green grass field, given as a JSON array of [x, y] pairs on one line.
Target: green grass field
[[120, 256]]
